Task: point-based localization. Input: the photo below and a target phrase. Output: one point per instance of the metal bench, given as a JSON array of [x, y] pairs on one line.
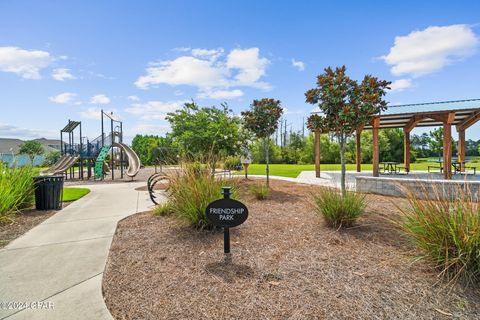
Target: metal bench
[[435, 167], [465, 168], [401, 170]]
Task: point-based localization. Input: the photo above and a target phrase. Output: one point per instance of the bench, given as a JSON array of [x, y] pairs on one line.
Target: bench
[[401, 170], [465, 168], [435, 167]]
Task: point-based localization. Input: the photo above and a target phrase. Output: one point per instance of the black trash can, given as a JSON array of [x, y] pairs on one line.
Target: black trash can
[[48, 192]]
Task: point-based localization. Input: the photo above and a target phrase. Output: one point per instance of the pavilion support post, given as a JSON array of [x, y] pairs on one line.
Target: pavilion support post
[[358, 158], [461, 149], [317, 153], [376, 150], [447, 150], [406, 149]]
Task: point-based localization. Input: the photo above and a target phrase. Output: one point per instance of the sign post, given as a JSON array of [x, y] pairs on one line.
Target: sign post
[[246, 160], [226, 213]]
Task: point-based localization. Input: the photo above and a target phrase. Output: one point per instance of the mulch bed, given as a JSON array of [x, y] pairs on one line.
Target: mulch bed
[[285, 264]]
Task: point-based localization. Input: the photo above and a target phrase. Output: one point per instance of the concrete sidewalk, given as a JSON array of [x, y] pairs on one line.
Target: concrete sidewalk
[[61, 261]]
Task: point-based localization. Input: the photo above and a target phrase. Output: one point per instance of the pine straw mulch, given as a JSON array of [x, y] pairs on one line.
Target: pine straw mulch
[[285, 264]]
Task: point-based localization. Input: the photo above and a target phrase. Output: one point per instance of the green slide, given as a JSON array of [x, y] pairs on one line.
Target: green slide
[[100, 160]]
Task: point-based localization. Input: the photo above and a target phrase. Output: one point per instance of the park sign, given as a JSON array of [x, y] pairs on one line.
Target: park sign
[[226, 213]]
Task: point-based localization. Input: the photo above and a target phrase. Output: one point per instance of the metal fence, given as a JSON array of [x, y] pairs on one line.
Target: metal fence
[[21, 160]]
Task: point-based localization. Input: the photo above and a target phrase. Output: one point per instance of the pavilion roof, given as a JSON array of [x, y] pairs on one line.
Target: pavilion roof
[[400, 120]]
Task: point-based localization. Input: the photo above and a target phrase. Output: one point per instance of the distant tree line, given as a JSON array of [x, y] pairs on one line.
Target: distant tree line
[[210, 134]]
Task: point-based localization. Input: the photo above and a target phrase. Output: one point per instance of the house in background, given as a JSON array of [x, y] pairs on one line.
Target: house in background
[[8, 145], [9, 151]]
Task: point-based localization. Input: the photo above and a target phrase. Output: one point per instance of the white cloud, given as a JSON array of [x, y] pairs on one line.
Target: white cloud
[[25, 63], [11, 131], [178, 92], [250, 67], [206, 70], [300, 65], [206, 53], [100, 99], [184, 70], [221, 94], [62, 74], [400, 85], [133, 98], [63, 98], [426, 51], [94, 113], [154, 110]]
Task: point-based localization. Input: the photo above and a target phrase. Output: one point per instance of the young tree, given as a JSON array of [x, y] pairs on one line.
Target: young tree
[[32, 148], [436, 142], [345, 105], [262, 120], [206, 133]]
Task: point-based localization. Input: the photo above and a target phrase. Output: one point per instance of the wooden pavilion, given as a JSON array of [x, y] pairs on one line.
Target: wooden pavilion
[[462, 119]]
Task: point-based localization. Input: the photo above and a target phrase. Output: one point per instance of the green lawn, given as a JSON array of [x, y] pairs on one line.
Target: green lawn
[[293, 170], [72, 194]]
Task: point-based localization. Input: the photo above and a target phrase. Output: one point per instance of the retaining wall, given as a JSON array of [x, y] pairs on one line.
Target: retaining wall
[[423, 188]]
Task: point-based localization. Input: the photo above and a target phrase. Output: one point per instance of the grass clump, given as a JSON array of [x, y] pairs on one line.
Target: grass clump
[[191, 190], [163, 209], [260, 191], [446, 231], [339, 211], [16, 190]]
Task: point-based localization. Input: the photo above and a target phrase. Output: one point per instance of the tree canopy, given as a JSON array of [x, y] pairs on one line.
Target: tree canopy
[[262, 120], [345, 105], [206, 132], [32, 148]]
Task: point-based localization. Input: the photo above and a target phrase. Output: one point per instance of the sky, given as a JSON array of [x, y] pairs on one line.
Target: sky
[[62, 60]]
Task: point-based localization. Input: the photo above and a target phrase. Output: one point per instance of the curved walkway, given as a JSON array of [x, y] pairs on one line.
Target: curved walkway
[[61, 261]]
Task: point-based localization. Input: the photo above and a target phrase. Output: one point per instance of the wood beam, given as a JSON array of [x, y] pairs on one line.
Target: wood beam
[[447, 150], [412, 123], [461, 149], [376, 150], [358, 157], [406, 150], [317, 153], [468, 122]]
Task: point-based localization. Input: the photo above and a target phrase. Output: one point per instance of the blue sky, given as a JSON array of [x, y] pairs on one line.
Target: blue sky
[[63, 60]]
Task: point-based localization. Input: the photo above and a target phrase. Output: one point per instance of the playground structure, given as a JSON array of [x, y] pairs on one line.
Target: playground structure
[[102, 154]]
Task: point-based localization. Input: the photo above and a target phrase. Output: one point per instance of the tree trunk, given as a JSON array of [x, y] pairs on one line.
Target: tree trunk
[[343, 167], [267, 145]]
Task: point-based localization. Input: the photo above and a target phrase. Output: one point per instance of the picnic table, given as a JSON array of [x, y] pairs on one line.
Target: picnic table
[[389, 167], [458, 166]]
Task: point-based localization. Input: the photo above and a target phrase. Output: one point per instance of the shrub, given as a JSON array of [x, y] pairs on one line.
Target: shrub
[[339, 211], [232, 163], [260, 192], [191, 190], [16, 190], [51, 158], [446, 232]]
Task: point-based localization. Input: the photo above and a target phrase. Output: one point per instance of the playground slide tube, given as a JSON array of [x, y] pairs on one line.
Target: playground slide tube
[[66, 166], [133, 159]]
